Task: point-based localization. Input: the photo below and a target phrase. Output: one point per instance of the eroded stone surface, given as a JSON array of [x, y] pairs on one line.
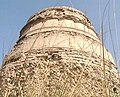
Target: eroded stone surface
[[58, 54]]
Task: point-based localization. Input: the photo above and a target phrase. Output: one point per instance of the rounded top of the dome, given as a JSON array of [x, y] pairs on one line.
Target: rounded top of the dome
[[61, 12], [58, 13], [55, 8]]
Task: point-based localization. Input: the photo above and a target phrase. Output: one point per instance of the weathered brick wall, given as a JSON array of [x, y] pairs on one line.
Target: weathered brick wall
[[58, 54]]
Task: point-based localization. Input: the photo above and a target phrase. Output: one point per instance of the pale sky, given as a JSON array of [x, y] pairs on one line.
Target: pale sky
[[15, 13]]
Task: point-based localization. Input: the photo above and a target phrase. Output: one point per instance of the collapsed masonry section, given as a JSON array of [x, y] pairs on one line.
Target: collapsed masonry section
[[58, 72]]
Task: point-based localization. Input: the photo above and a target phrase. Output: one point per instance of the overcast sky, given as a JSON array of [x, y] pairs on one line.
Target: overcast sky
[[15, 13]]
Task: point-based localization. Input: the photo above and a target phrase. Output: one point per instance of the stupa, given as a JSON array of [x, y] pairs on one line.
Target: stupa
[[59, 54]]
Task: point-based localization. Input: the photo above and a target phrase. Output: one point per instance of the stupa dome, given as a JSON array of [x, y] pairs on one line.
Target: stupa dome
[[59, 54]]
